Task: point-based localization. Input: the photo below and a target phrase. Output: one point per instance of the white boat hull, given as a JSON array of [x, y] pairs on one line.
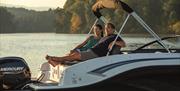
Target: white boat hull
[[99, 70]]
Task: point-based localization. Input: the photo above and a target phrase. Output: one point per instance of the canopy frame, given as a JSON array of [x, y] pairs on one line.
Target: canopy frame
[[113, 4]]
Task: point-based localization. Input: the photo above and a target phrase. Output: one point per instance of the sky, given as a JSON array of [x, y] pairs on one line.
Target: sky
[[36, 3]]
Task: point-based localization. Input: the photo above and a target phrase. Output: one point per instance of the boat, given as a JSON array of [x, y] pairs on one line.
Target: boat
[[144, 69]]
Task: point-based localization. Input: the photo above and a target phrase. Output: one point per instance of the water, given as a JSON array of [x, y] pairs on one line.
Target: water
[[34, 47]]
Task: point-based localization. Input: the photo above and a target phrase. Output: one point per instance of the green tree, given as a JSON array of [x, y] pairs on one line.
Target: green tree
[[6, 21], [30, 21], [172, 12]]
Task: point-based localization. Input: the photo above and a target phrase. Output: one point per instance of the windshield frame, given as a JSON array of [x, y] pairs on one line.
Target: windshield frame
[[155, 41]]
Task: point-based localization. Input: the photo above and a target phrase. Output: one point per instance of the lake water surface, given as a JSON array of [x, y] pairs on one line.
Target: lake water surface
[[34, 47]]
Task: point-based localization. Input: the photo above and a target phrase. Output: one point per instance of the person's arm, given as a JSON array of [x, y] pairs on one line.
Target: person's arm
[[82, 44], [118, 43]]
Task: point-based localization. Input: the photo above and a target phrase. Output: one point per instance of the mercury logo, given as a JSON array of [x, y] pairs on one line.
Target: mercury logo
[[11, 69]]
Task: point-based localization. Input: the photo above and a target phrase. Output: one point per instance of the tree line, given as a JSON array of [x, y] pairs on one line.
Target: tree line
[[162, 15], [77, 17], [20, 20]]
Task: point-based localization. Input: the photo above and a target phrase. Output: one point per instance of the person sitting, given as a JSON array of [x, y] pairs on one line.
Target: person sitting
[[99, 50], [90, 41]]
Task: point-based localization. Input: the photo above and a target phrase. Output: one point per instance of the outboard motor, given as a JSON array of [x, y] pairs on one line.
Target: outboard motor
[[14, 73]]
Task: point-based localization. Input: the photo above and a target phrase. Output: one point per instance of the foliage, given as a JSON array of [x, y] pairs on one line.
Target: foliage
[[6, 21], [163, 16], [20, 20]]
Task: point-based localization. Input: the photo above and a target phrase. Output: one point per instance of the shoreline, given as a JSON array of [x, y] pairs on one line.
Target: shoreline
[[126, 35]]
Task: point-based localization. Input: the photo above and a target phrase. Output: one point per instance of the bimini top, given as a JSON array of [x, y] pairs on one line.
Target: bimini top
[[112, 4]]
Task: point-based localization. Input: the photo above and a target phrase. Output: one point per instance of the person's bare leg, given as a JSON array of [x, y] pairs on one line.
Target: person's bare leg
[[72, 52], [75, 56]]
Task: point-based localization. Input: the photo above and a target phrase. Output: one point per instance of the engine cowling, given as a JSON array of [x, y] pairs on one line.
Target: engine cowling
[[14, 73]]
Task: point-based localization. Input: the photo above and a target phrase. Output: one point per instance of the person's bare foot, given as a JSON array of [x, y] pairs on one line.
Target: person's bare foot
[[47, 57], [50, 58]]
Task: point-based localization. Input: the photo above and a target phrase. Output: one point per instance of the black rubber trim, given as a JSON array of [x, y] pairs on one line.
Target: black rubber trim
[[114, 65]]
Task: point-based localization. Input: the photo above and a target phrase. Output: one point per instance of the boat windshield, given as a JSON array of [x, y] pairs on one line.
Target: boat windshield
[[170, 42]]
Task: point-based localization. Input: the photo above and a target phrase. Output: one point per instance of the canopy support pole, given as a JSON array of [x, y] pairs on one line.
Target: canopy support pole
[[93, 26], [149, 30], [118, 34], [100, 5]]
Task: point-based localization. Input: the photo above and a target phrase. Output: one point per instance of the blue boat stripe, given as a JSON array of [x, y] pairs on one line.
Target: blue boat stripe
[[114, 65]]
